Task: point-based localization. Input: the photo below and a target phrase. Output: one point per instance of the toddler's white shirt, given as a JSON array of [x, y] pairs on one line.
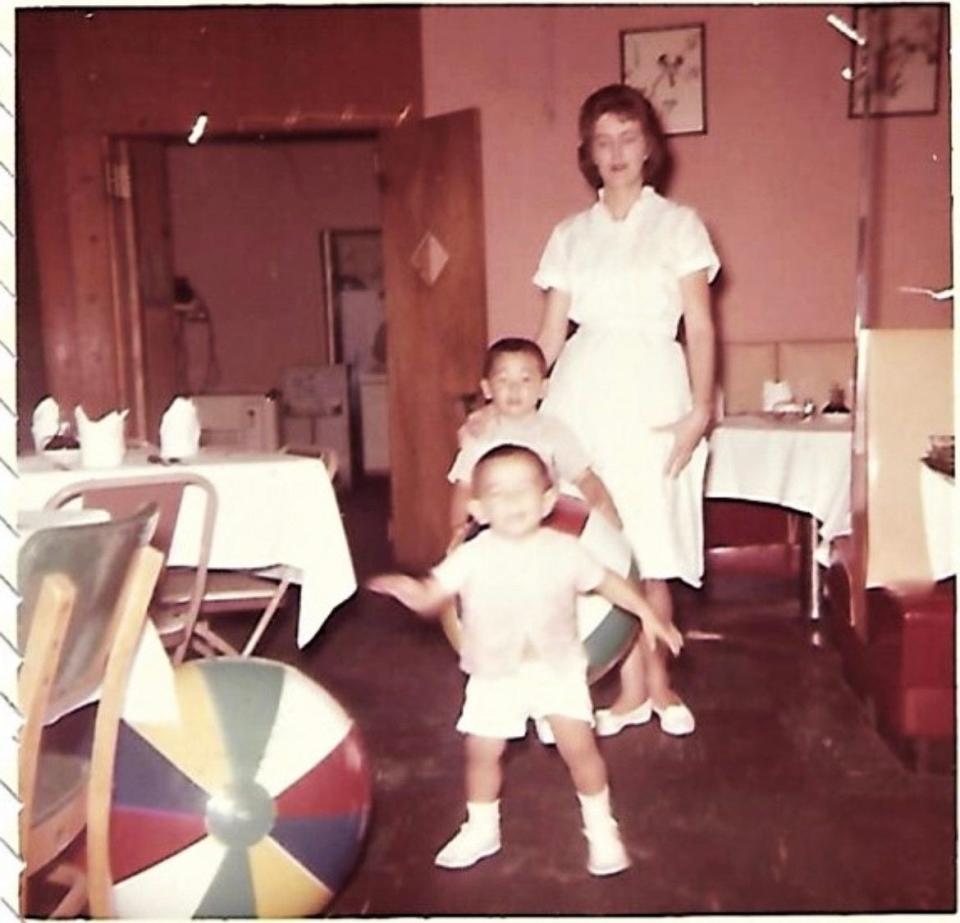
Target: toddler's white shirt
[[519, 593]]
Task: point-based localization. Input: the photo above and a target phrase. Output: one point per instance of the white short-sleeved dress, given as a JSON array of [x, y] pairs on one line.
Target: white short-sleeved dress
[[623, 372]]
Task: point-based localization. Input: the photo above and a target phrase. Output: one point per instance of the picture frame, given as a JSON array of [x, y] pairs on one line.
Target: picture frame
[[668, 65], [908, 40]]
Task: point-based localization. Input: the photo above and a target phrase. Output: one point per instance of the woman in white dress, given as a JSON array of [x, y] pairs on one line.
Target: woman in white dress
[[626, 271]]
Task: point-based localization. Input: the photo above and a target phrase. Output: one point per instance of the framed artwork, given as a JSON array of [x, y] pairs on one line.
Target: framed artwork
[[906, 41], [668, 66]]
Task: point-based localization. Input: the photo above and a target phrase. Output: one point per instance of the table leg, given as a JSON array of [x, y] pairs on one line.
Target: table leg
[[811, 590]]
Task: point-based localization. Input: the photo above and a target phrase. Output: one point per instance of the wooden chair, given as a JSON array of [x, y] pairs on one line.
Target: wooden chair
[[175, 609], [86, 590]]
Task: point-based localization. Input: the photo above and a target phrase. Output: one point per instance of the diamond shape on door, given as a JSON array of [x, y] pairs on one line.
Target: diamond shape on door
[[429, 258]]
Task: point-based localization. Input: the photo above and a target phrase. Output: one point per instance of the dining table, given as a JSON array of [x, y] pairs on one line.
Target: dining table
[[800, 463], [276, 512]]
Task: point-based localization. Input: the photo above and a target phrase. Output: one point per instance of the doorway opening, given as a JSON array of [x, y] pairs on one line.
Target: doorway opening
[[235, 222]]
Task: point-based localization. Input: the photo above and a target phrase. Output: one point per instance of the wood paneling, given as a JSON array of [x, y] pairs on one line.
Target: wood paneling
[[436, 327], [81, 78]]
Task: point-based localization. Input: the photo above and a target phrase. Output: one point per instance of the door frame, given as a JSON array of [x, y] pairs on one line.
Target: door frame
[[131, 383]]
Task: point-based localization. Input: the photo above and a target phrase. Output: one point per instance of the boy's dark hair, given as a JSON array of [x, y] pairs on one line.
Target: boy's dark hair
[[510, 345], [509, 450]]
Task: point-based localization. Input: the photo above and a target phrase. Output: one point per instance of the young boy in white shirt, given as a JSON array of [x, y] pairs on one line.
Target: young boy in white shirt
[[514, 381], [518, 582]]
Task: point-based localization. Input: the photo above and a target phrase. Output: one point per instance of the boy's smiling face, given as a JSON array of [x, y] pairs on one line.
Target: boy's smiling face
[[512, 495], [515, 385]]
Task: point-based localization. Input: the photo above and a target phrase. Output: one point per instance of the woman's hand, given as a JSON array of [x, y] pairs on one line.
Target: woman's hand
[[476, 424], [687, 433]]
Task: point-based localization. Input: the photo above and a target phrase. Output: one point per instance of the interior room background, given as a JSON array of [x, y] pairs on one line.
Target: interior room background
[[775, 176]]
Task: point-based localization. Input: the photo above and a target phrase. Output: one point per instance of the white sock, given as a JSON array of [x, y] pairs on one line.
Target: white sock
[[595, 809], [484, 813]]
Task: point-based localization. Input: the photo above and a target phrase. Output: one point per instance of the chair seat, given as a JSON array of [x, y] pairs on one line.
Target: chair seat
[[225, 590], [59, 806]]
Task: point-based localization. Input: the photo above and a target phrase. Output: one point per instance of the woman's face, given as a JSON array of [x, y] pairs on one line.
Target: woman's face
[[619, 150]]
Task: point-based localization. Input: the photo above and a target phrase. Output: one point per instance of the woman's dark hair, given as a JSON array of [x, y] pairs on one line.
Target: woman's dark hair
[[630, 104]]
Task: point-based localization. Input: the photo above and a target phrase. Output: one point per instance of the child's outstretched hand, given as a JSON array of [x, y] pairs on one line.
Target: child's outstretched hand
[[424, 597]]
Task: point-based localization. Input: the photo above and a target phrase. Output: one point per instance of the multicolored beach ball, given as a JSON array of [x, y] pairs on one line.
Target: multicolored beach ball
[[606, 630], [254, 804]]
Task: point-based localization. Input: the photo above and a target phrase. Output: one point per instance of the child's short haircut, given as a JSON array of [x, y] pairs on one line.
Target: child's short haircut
[[504, 451], [510, 345]]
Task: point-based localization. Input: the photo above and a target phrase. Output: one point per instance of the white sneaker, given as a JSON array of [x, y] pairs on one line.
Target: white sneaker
[[675, 719], [470, 844], [609, 722], [607, 854]]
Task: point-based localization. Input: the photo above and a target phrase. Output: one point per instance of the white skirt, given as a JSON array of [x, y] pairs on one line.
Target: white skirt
[[613, 388]]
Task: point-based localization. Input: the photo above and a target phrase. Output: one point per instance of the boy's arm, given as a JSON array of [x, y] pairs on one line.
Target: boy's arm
[[627, 595], [598, 497], [426, 596]]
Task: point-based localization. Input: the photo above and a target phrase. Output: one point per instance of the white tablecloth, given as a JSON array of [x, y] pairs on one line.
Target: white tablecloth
[[802, 465], [938, 497], [273, 509]]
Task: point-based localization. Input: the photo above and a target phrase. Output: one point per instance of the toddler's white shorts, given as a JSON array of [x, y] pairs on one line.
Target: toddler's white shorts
[[500, 706]]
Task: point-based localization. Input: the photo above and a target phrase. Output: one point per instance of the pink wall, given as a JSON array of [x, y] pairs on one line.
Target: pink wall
[[775, 177], [246, 224]]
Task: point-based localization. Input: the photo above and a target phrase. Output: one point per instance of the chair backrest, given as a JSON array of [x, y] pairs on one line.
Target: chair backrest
[[813, 367], [909, 397], [168, 490], [743, 369], [810, 367], [94, 559], [85, 591]]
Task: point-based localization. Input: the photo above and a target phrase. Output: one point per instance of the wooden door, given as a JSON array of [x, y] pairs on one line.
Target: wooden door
[[433, 251], [146, 326]]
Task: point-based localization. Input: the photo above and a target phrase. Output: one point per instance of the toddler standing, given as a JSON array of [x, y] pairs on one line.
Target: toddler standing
[[518, 582]]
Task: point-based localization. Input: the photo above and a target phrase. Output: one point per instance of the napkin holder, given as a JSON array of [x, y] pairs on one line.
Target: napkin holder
[[102, 443]]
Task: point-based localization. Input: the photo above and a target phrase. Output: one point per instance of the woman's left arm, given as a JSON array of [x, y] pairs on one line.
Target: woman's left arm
[[701, 346]]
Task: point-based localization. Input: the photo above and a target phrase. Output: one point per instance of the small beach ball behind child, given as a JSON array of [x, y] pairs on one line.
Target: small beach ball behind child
[[254, 804], [606, 631]]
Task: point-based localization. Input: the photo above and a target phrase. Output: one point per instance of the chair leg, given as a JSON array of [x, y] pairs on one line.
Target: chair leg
[[206, 635], [264, 619], [75, 899]]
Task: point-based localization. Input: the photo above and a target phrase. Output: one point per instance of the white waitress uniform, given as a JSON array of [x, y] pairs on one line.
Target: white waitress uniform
[[623, 372]]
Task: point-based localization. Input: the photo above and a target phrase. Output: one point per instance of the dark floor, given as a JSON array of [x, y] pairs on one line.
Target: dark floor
[[785, 799]]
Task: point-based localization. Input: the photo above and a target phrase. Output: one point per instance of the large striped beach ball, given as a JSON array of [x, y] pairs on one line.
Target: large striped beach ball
[[253, 804], [607, 631]]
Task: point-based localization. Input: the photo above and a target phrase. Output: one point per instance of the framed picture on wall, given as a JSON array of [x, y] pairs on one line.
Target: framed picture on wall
[[907, 40], [668, 66]]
